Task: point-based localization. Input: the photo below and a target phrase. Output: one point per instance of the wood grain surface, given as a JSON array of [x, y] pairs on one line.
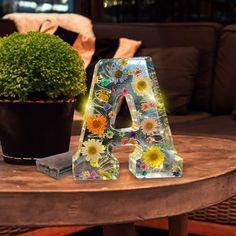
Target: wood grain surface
[[28, 197]]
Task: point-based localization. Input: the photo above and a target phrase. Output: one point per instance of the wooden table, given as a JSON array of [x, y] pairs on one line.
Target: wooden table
[[28, 197]]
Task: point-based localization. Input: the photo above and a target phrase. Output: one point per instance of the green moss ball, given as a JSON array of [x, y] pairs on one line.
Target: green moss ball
[[42, 64]]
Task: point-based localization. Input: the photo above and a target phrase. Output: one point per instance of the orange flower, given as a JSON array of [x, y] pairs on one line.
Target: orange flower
[[96, 124], [144, 106], [124, 141], [133, 141], [123, 62]]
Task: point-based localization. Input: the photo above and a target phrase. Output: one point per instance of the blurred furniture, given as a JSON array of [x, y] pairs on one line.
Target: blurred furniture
[[28, 197], [213, 96]]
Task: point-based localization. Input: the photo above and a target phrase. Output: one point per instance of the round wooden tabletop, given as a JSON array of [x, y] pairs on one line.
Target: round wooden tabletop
[[28, 196]]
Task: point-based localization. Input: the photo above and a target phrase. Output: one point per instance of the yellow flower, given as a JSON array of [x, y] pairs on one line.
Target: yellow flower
[[153, 157], [103, 135], [141, 85], [96, 124], [105, 174], [92, 150], [103, 95], [137, 113], [130, 72], [123, 62], [94, 163], [149, 126]]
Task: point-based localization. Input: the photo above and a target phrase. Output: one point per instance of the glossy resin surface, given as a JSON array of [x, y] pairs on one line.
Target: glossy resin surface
[[132, 80]]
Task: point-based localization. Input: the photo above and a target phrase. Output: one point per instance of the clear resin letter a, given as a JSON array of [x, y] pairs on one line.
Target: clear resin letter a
[[132, 80]]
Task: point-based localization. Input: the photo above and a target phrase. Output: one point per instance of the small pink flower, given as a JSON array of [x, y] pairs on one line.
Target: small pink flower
[[113, 91], [111, 114], [138, 72], [150, 140], [152, 104], [93, 174], [124, 90], [143, 166], [149, 126]]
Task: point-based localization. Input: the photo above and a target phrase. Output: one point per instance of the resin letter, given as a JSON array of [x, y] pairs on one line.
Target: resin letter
[[154, 155]]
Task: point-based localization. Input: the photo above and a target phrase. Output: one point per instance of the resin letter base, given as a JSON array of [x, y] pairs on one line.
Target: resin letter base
[[154, 155]]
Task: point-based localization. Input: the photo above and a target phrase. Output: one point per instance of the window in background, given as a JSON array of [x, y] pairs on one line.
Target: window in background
[[8, 6], [222, 11]]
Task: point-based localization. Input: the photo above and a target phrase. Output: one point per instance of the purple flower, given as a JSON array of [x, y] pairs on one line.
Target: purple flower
[[132, 134]]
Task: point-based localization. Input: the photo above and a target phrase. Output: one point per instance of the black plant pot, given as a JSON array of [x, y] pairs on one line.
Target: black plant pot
[[31, 130]]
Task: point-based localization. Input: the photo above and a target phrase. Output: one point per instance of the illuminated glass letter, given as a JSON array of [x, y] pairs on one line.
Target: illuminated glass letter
[[154, 155]]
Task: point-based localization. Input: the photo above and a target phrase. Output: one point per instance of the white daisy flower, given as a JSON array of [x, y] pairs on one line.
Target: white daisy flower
[[92, 150]]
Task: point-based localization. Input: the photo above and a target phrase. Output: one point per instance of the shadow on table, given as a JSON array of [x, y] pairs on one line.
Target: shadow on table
[[142, 231]]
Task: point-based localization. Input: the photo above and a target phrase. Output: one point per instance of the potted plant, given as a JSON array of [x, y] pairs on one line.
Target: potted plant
[[40, 76]]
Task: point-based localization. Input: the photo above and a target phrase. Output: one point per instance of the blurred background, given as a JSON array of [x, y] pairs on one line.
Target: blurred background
[[221, 11]]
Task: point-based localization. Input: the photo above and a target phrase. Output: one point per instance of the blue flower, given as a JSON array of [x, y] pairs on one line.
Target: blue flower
[[107, 106], [176, 173], [150, 65]]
